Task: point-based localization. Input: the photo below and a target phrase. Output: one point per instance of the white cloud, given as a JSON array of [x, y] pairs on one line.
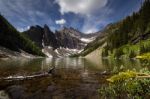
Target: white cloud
[[21, 13], [92, 23], [60, 22], [85, 7], [90, 9]]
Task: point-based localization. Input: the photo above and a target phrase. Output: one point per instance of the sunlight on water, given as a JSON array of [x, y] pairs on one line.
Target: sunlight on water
[[29, 66]]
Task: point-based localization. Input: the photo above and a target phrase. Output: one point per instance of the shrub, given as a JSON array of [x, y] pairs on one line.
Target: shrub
[[132, 54], [127, 85], [118, 52]]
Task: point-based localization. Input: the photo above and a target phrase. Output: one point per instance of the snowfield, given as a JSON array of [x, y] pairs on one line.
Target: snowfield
[[87, 40]]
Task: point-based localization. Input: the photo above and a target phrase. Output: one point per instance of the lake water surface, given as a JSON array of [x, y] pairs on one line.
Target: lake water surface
[[72, 78]]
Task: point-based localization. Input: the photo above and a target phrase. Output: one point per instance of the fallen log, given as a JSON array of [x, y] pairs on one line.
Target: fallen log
[[20, 77]]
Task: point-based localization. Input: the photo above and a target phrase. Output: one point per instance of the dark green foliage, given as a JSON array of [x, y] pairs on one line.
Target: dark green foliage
[[130, 50], [132, 54], [142, 49], [131, 30], [12, 39], [145, 47], [118, 52]]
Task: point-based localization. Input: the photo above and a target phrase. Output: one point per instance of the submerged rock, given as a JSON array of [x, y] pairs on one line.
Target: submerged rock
[[4, 95], [16, 92]]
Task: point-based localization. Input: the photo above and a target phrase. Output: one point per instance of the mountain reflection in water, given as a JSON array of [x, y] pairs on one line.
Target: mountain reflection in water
[[72, 78]]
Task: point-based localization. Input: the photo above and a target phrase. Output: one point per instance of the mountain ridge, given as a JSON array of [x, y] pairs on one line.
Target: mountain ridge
[[60, 36], [49, 41], [124, 37], [14, 40]]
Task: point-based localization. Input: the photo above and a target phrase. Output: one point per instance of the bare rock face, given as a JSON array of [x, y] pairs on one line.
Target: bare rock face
[[49, 38], [48, 41], [42, 36], [16, 92], [67, 37]]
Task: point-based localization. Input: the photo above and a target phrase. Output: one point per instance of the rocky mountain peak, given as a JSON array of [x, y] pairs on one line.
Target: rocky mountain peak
[[65, 38], [46, 27], [49, 37], [71, 31], [37, 27]]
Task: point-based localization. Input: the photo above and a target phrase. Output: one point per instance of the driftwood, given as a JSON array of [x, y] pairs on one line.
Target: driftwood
[[44, 74]]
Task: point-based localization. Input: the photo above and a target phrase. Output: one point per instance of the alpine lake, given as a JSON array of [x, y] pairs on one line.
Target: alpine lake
[[59, 78]]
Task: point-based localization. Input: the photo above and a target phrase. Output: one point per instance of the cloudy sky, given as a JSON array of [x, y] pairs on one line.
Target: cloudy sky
[[88, 16]]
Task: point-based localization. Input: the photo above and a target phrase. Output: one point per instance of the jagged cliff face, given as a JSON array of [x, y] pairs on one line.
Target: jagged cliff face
[[49, 38], [56, 43], [42, 36], [67, 37], [61, 43]]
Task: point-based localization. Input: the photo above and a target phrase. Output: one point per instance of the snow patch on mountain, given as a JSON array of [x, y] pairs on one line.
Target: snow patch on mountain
[[47, 53], [59, 52], [87, 40]]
